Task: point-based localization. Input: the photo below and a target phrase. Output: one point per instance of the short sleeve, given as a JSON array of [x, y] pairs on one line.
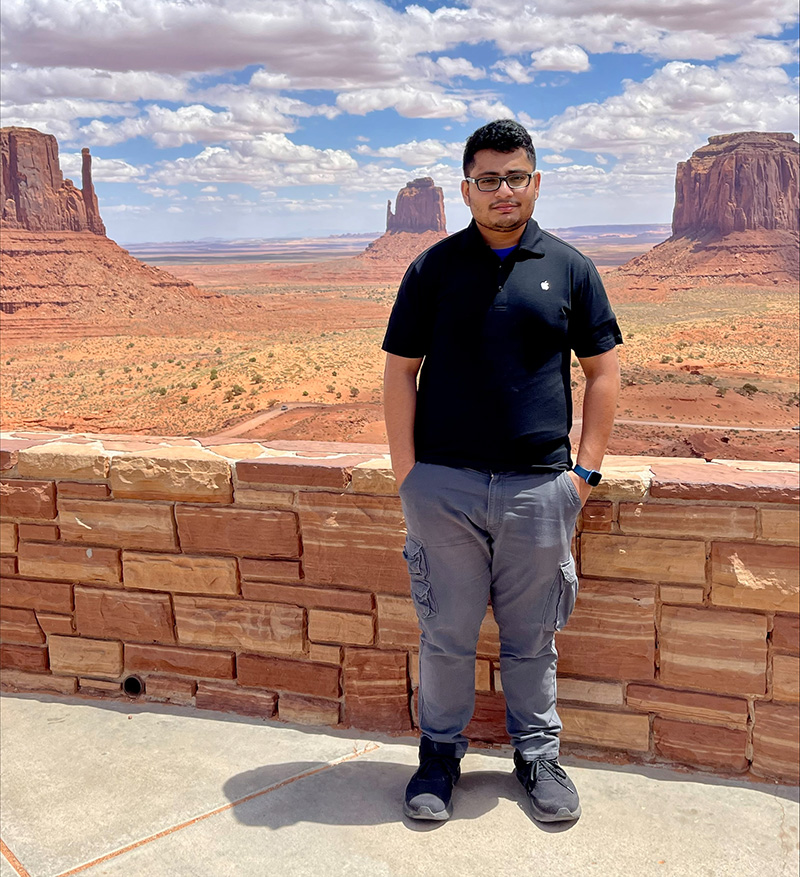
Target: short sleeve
[[408, 333], [593, 326]]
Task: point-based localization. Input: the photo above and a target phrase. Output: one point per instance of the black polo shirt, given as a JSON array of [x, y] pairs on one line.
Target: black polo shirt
[[496, 337]]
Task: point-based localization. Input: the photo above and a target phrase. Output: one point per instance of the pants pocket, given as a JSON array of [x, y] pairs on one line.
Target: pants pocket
[[563, 594], [424, 601]]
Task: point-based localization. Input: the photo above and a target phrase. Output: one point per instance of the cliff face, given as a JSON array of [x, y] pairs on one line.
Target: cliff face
[[735, 218], [33, 192], [738, 182], [419, 207]]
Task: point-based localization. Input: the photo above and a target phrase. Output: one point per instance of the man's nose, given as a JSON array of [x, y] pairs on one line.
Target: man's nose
[[504, 185]]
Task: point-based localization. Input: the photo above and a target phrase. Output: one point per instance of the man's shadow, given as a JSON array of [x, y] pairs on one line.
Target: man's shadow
[[355, 793]]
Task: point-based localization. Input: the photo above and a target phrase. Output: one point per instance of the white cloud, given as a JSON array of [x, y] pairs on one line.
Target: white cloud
[[557, 159], [174, 209], [570, 58], [28, 85], [407, 100], [104, 170], [209, 189], [416, 152]]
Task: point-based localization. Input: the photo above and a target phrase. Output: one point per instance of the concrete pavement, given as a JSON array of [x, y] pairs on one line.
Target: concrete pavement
[[134, 790]]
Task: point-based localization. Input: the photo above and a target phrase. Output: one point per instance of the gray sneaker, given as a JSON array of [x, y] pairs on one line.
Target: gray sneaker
[[551, 793]]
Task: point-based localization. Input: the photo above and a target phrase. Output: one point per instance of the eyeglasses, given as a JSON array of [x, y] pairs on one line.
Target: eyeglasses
[[492, 184]]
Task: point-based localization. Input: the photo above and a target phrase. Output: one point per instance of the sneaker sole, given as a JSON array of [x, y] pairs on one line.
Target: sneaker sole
[[427, 814], [563, 814]]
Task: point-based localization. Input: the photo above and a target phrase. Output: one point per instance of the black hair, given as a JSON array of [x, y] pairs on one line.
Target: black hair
[[502, 135]]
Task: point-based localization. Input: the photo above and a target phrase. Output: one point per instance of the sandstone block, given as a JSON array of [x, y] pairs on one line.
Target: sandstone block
[[20, 657], [780, 525], [8, 566], [587, 691], [330, 472], [72, 563], [242, 532], [311, 598], [116, 614], [611, 634], [488, 722], [179, 574], [374, 477], [263, 498], [28, 499], [58, 624], [713, 650], [179, 691], [99, 687], [21, 680], [776, 750], [320, 654], [397, 622], [786, 678], [45, 596], [749, 576], [340, 627], [624, 478], [643, 558], [710, 709], [413, 669], [85, 657], [256, 570], [687, 595], [376, 690], [489, 637], [600, 728], [354, 540], [687, 519], [64, 460], [82, 490], [279, 674], [483, 675], [183, 474], [304, 710], [38, 532], [714, 481], [231, 699], [267, 628], [199, 663], [786, 634], [20, 626], [8, 537], [597, 517], [701, 745], [122, 524]]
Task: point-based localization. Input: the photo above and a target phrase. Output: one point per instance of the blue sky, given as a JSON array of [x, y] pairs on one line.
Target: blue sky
[[246, 118]]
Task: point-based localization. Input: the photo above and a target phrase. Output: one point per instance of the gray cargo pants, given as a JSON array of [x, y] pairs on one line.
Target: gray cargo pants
[[477, 535]]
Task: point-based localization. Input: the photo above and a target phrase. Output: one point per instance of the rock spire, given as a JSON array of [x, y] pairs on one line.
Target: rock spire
[[419, 208]]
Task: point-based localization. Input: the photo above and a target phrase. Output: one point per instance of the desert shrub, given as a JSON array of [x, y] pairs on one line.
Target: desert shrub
[[251, 405], [101, 372], [213, 375], [162, 391], [305, 392], [228, 396], [721, 391], [184, 400], [171, 359], [237, 390], [126, 369], [338, 395], [681, 344], [194, 385], [217, 350], [237, 405], [139, 368], [335, 374], [216, 385], [665, 358], [252, 359], [70, 374], [270, 355], [129, 345], [748, 390], [707, 379], [257, 379], [330, 389], [354, 391]]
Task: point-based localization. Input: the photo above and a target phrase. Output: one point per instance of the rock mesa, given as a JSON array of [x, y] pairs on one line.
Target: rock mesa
[[419, 207], [736, 215], [33, 192]]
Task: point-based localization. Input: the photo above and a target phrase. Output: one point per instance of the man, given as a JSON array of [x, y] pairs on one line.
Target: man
[[482, 457]]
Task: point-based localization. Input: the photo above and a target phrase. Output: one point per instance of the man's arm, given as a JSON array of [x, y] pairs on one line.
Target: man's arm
[[599, 408], [399, 411]]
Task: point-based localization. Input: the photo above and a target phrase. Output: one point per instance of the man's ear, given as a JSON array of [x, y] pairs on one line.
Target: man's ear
[[465, 191], [537, 182]]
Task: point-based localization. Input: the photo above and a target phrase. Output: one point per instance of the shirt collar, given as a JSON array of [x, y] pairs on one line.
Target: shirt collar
[[531, 239]]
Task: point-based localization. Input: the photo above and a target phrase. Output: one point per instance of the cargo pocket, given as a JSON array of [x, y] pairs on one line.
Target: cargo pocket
[[424, 600], [562, 597]]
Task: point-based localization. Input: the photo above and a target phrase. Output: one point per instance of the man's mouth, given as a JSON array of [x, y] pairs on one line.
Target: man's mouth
[[505, 206]]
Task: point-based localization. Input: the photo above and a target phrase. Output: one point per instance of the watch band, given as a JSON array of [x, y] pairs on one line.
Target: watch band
[[591, 476]]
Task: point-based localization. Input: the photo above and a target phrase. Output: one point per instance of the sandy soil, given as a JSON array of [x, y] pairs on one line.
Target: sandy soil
[[310, 334]]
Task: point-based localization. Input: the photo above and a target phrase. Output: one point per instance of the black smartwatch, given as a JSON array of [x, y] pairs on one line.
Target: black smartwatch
[[591, 476]]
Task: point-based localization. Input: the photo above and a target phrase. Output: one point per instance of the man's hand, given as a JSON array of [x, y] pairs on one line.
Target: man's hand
[[401, 471], [581, 486]]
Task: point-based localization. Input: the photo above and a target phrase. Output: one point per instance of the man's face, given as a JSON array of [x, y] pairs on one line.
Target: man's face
[[504, 210]]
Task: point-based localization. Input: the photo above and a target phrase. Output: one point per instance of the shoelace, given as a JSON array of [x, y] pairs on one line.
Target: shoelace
[[550, 767]]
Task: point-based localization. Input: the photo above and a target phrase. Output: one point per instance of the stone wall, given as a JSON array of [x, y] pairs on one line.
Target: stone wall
[[269, 581]]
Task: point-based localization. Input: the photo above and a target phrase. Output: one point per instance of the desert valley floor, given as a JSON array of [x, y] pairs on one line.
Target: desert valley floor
[[291, 350]]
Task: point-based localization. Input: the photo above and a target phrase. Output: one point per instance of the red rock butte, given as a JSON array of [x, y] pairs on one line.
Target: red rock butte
[[736, 215]]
